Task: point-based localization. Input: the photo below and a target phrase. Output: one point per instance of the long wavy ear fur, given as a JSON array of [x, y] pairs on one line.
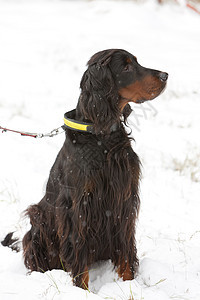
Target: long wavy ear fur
[[98, 101]]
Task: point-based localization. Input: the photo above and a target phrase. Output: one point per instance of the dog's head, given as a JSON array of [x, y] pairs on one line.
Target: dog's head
[[113, 78]]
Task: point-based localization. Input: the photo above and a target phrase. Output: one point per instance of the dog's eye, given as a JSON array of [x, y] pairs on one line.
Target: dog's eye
[[128, 68]]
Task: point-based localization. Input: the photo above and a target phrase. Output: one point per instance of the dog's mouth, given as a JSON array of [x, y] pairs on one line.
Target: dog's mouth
[[152, 94], [140, 101]]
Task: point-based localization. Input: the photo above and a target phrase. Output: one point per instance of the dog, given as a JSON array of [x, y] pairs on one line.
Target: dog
[[91, 205]]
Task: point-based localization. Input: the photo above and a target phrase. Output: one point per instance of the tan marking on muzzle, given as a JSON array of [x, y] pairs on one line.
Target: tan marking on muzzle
[[146, 89]]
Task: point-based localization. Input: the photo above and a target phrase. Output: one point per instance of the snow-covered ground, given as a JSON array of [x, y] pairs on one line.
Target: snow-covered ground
[[44, 46]]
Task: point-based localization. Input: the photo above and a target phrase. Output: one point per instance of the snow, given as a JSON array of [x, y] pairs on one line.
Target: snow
[[44, 46]]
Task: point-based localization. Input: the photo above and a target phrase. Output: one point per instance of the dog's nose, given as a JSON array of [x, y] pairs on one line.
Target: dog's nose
[[163, 76]]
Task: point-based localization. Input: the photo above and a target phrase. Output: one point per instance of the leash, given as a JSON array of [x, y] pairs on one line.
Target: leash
[[52, 133]]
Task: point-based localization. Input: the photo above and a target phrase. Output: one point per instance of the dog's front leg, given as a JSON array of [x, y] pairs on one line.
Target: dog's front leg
[[125, 271], [82, 279]]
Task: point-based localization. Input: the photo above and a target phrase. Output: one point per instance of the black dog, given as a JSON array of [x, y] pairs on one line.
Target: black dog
[[91, 203]]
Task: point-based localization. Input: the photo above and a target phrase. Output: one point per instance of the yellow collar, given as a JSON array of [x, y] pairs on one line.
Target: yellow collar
[[72, 124], [76, 125]]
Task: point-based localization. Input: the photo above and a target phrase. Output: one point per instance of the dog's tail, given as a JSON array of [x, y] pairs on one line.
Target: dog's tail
[[11, 242]]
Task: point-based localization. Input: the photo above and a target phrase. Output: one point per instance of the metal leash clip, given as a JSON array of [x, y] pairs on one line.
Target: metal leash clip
[[52, 133]]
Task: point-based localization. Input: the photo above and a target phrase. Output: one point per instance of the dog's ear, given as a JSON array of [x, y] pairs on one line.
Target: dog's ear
[[98, 101]]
